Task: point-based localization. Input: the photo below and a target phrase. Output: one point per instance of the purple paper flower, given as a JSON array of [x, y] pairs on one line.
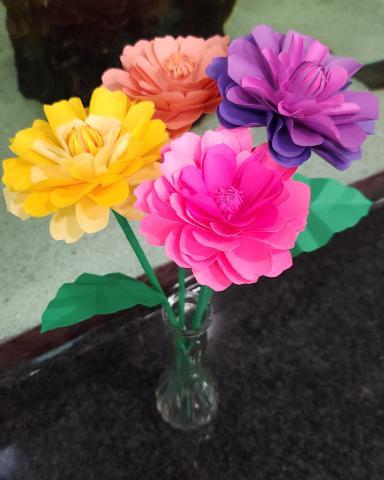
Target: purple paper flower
[[291, 84]]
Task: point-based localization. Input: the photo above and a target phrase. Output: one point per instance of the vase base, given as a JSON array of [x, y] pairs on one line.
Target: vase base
[[186, 409]]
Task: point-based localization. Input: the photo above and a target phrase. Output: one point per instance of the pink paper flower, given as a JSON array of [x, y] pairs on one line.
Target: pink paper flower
[[171, 73], [228, 212]]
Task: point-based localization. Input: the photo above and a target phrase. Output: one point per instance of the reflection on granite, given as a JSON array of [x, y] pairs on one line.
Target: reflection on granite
[[299, 361], [14, 464]]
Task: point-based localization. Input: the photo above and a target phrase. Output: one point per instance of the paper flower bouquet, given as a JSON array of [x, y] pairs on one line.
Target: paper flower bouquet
[[229, 211]]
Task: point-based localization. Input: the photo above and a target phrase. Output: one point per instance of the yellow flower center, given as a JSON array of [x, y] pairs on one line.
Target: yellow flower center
[[84, 140], [179, 66]]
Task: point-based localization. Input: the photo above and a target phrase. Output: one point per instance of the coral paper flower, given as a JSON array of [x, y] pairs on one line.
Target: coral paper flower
[[82, 162], [229, 213], [171, 73], [294, 86]]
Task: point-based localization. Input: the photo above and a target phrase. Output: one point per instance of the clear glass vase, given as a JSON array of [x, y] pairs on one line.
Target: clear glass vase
[[186, 396]]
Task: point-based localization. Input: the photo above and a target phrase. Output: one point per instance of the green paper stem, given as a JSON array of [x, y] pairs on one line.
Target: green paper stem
[[181, 276], [139, 252], [204, 296]]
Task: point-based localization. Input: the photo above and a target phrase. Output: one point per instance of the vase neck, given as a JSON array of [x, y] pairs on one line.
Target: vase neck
[[192, 346], [186, 325]]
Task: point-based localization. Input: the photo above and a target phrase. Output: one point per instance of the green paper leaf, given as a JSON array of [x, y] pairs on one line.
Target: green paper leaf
[[91, 295], [334, 208]]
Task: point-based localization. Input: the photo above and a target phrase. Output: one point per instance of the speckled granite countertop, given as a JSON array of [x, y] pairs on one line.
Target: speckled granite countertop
[[300, 365]]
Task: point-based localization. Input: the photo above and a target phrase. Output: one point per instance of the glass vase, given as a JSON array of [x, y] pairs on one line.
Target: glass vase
[[186, 396]]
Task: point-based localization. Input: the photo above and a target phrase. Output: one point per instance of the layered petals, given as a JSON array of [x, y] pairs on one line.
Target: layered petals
[[82, 162], [171, 73], [292, 85], [223, 209]]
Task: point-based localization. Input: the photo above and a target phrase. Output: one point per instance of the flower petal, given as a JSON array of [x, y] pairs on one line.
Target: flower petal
[[156, 230], [39, 204], [110, 195], [24, 145], [251, 259], [219, 167], [302, 135], [90, 216], [137, 118], [62, 113], [172, 247], [17, 174], [64, 226], [233, 275], [193, 47], [212, 276], [150, 172], [15, 203], [109, 104], [280, 261], [68, 195], [266, 37], [164, 47], [316, 52], [190, 247]]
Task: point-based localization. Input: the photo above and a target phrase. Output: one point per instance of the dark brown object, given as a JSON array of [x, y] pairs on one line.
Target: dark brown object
[[63, 46], [372, 75]]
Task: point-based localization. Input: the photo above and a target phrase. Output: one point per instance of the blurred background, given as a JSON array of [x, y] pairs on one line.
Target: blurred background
[[52, 49]]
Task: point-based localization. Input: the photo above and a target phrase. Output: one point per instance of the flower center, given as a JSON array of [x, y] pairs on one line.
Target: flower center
[[84, 140], [179, 66], [309, 79], [229, 200]]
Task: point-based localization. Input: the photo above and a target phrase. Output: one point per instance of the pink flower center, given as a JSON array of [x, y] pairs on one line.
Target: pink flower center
[[229, 200], [309, 79], [178, 66]]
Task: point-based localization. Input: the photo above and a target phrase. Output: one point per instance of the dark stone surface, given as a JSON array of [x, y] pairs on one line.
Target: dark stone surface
[[63, 46], [300, 365]]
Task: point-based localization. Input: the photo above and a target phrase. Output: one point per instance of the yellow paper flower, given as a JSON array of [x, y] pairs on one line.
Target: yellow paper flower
[[83, 162]]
